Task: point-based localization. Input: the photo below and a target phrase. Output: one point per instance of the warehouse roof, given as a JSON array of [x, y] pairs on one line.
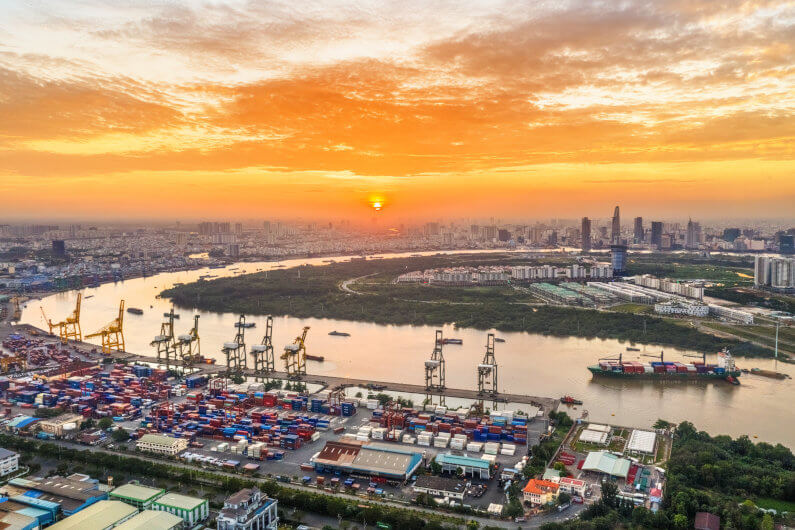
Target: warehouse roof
[[369, 458], [159, 439], [438, 483], [461, 461], [103, 514], [136, 492], [608, 463], [643, 441], [5, 453], [591, 436], [183, 502], [151, 520]]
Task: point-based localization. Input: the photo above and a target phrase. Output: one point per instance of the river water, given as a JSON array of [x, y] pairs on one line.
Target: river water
[[528, 363]]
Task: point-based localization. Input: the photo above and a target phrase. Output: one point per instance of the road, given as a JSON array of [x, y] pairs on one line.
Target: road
[[532, 523]]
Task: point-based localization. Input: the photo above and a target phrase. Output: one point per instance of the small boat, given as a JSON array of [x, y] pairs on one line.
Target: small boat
[[176, 315], [497, 339], [733, 380], [452, 341], [135, 311], [318, 358], [338, 334], [89, 296], [630, 348], [206, 360], [247, 325], [568, 400]]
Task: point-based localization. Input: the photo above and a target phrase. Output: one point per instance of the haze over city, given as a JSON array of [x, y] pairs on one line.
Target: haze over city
[[167, 110]]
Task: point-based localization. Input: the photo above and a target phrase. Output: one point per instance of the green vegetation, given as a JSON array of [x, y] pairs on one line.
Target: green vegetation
[[753, 297], [727, 477], [315, 292], [729, 271]]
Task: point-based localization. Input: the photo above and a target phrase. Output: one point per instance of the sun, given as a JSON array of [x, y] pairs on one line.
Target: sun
[[377, 203]]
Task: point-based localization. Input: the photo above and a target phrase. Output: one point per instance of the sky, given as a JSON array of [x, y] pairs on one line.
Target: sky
[[245, 109]]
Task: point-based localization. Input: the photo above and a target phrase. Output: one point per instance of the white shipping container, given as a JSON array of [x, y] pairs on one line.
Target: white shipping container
[[444, 435], [475, 447], [509, 446], [491, 448], [509, 452], [424, 442], [408, 439], [489, 458], [460, 437], [440, 442]]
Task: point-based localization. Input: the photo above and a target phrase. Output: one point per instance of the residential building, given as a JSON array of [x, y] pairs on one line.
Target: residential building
[[164, 445], [136, 495], [585, 234], [9, 462], [539, 492], [190, 509], [447, 487], [618, 255], [656, 234], [248, 509], [638, 232], [572, 486]]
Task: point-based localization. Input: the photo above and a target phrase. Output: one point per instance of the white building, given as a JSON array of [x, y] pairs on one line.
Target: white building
[[743, 317], [673, 307], [572, 486], [9, 462], [778, 273], [642, 442], [248, 509], [164, 445]]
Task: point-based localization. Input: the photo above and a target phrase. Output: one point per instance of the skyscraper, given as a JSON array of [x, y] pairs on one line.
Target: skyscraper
[[586, 234], [638, 230], [618, 255], [615, 233], [693, 235], [656, 233]]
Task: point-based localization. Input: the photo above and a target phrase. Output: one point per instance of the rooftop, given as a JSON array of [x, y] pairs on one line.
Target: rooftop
[[643, 441], [540, 486], [183, 502], [151, 520], [462, 461], [159, 439], [99, 515], [608, 463], [434, 482], [5, 453], [136, 492]]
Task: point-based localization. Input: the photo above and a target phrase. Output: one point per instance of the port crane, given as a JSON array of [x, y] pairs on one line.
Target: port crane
[[619, 358], [165, 343], [434, 367], [188, 347], [264, 360], [16, 315], [7, 362], [295, 356], [487, 370], [235, 351], [112, 335], [69, 328], [654, 356]]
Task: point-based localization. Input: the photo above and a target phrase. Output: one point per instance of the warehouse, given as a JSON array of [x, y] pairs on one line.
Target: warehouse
[[152, 520], [63, 424], [448, 487], [164, 445], [9, 462], [136, 495], [476, 467], [69, 494], [593, 437], [190, 509], [642, 442], [606, 463], [100, 516], [375, 460]]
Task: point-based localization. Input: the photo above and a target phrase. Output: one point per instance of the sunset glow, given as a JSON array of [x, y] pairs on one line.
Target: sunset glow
[[309, 109]]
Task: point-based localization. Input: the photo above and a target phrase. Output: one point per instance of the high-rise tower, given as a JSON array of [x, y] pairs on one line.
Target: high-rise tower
[[586, 234], [615, 233], [638, 235]]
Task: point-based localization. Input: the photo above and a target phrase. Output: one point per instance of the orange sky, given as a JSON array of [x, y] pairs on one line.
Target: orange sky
[[311, 109]]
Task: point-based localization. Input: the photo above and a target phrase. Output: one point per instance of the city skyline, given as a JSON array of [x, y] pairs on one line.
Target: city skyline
[[237, 109]]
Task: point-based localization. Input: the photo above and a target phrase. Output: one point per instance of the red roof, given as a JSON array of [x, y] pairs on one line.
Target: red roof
[[540, 486], [707, 521]]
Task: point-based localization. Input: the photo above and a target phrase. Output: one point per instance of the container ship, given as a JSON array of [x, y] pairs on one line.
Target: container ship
[[617, 367]]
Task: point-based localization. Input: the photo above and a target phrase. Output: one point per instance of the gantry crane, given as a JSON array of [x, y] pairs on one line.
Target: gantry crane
[[235, 351], [112, 334], [165, 343], [434, 367], [16, 314], [264, 360], [70, 327], [487, 370], [7, 362], [295, 356], [188, 347]]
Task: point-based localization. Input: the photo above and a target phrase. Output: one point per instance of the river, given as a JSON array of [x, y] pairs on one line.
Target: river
[[528, 363]]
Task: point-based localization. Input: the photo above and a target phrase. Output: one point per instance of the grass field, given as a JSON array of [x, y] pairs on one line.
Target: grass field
[[776, 504]]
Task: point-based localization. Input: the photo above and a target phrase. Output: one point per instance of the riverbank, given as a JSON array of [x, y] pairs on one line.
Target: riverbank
[[315, 292]]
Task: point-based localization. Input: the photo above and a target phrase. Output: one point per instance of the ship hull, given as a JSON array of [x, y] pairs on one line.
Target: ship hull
[[672, 376]]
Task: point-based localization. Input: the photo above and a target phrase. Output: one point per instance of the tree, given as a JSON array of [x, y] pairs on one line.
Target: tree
[[104, 423], [662, 424], [767, 522], [472, 525], [563, 498], [680, 521], [120, 435], [609, 492], [436, 467]]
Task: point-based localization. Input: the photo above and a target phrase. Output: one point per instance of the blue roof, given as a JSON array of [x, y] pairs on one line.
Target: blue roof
[[461, 461]]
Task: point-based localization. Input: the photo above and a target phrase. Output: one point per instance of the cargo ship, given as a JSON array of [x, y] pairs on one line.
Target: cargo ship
[[452, 341], [662, 369], [339, 334], [318, 358], [135, 311]]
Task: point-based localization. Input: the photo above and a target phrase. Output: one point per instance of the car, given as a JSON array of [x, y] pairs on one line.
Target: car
[[520, 520]]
